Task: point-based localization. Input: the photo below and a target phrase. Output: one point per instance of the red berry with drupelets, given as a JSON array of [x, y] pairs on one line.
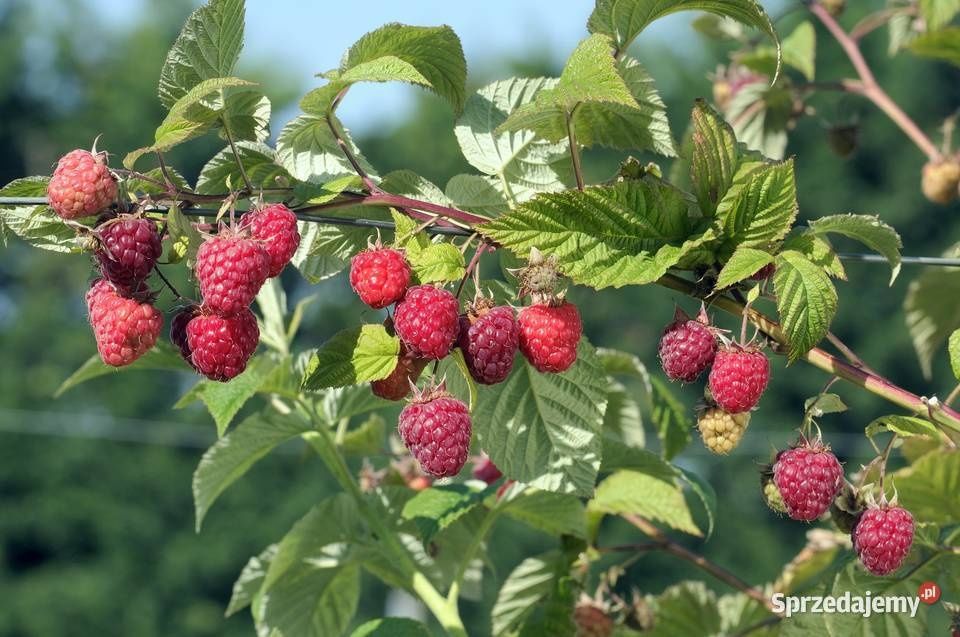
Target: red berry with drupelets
[[549, 334], [124, 326], [220, 346], [275, 226], [380, 276], [738, 378], [427, 320], [436, 429], [81, 185]]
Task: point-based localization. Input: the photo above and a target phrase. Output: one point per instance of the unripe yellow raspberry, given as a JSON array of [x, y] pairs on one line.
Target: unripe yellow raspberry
[[940, 181], [721, 431]]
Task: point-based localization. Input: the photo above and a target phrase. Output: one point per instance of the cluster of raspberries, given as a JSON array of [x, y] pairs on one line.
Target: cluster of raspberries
[[219, 336], [428, 320]]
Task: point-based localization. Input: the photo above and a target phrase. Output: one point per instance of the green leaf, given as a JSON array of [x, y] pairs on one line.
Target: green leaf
[[806, 301], [347, 402], [367, 439], [246, 115], [272, 301], [477, 194], [650, 496], [928, 488], [325, 250], [259, 162], [224, 400], [868, 230], [623, 20], [761, 208], [818, 249], [26, 187], [185, 239], [195, 113], [231, 456], [353, 356], [954, 349], [308, 150], [938, 13], [552, 513], [311, 601], [391, 627], [523, 164], [799, 52], [622, 421], [618, 362], [932, 308], [207, 47], [688, 608], [761, 115], [436, 508], [525, 588], [939, 45], [40, 227], [716, 157], [630, 233], [163, 356], [438, 262], [544, 429], [670, 417], [251, 578], [903, 426], [742, 264], [824, 404]]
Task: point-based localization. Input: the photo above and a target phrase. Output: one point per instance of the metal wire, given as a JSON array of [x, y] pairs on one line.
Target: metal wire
[[945, 262]]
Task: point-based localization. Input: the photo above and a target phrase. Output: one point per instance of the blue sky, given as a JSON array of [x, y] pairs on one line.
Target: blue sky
[[298, 35]]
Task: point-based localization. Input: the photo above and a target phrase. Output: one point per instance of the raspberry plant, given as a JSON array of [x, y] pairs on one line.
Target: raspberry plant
[[558, 438]]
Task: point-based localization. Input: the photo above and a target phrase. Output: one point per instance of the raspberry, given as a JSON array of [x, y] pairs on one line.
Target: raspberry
[[396, 386], [771, 494], [81, 185], [484, 469], [489, 343], [809, 478], [765, 272], [129, 248], [380, 276], [882, 538], [275, 226], [687, 347], [436, 429], [721, 431], [738, 378], [125, 328], [940, 180], [427, 320], [178, 331], [220, 346], [549, 335], [591, 620], [231, 270]]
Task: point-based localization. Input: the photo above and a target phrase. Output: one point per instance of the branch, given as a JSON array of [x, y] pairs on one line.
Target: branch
[[344, 147], [869, 88], [666, 544], [939, 414]]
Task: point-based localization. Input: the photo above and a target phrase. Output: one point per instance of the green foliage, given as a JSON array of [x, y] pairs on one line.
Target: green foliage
[[940, 45], [806, 300], [868, 230], [353, 356]]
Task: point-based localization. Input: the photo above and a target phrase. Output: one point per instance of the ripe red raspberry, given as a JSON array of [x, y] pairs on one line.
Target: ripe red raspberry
[[427, 320], [129, 248], [231, 270], [275, 226], [220, 346], [125, 328], [883, 537], [81, 185], [592, 620], [178, 331], [484, 469], [436, 429], [738, 378], [809, 477], [687, 347], [489, 341], [549, 335], [396, 386], [380, 276]]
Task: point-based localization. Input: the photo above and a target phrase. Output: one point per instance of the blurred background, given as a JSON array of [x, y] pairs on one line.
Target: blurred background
[[96, 514]]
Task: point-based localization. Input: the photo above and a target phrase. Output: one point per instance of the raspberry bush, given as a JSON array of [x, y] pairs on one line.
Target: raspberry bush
[[471, 321]]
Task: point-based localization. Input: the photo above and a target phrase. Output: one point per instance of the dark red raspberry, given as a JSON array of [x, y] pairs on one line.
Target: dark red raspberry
[[549, 335], [81, 185], [427, 320], [809, 477], [436, 429], [738, 378], [275, 226], [489, 339], [883, 537], [125, 328], [687, 348], [484, 469], [231, 270], [129, 248], [178, 331], [396, 386], [220, 346], [380, 276]]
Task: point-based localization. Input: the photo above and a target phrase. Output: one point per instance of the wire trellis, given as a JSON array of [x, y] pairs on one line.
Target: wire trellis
[[946, 262]]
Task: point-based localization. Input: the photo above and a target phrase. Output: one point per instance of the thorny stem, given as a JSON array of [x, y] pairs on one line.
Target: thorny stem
[[876, 20], [868, 86], [952, 396], [666, 544], [473, 265], [943, 416], [848, 353]]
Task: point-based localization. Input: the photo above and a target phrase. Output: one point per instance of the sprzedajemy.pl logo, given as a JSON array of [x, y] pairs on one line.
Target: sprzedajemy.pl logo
[[865, 604]]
